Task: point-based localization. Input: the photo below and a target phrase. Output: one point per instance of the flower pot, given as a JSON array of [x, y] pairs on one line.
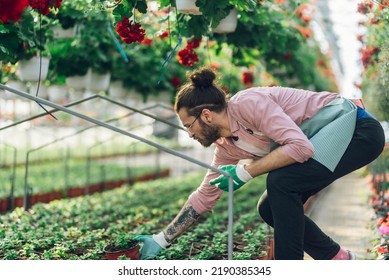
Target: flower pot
[[78, 82], [116, 90], [131, 252], [3, 204], [187, 7], [228, 24], [29, 69], [99, 82], [260, 256], [57, 94], [18, 85], [42, 93], [60, 33], [76, 191]]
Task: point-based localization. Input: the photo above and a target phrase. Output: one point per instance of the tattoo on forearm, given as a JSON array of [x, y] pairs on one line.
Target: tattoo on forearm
[[181, 222]]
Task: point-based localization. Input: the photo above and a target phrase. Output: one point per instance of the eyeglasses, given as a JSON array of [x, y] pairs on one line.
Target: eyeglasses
[[190, 126]]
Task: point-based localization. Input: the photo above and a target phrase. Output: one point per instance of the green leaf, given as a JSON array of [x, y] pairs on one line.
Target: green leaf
[[141, 7]]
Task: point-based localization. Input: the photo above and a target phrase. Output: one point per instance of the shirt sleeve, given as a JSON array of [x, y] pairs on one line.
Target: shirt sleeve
[[205, 197], [269, 118]]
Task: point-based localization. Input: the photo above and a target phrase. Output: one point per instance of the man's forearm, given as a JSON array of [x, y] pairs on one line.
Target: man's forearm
[[276, 159], [185, 218]]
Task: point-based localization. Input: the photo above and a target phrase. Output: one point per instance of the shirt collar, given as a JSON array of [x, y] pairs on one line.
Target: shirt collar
[[234, 125]]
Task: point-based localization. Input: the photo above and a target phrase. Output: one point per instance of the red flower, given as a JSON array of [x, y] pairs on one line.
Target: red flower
[[375, 19], [369, 55], [365, 7], [382, 249], [187, 56], [175, 82], [383, 5], [11, 10], [247, 78], [287, 56], [163, 34], [215, 65], [194, 42], [43, 6], [147, 42], [304, 12], [130, 31]]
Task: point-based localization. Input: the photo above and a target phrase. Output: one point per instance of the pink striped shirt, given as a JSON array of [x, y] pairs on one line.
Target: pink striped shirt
[[256, 116]]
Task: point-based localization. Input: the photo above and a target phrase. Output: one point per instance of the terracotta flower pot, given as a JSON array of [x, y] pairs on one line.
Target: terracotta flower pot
[[3, 205], [131, 252]]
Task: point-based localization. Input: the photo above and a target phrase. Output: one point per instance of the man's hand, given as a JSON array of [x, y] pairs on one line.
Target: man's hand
[[152, 245], [239, 177]]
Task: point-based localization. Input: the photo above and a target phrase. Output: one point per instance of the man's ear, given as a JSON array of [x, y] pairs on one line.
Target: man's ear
[[207, 115]]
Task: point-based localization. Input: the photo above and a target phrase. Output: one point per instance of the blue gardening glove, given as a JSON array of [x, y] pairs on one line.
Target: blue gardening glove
[[239, 177], [152, 245]]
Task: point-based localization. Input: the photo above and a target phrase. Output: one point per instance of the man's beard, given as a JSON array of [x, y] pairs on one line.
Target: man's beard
[[209, 134]]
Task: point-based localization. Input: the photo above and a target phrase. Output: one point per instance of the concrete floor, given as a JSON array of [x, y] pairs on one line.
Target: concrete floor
[[342, 211]]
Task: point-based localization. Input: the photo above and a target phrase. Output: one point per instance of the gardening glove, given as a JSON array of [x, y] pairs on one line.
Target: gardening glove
[[152, 245], [239, 174]]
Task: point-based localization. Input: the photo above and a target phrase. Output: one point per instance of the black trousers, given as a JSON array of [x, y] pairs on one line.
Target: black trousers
[[289, 187]]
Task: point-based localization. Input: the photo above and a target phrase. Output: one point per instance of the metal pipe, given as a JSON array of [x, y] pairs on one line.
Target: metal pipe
[[147, 141]]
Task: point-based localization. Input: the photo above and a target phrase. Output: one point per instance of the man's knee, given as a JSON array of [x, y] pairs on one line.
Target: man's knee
[[264, 210]]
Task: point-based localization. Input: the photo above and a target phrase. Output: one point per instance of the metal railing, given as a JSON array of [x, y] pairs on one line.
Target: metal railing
[[144, 140]]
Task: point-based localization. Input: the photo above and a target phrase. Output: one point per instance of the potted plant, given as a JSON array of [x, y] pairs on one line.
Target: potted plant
[[187, 7], [122, 245], [25, 42], [68, 19]]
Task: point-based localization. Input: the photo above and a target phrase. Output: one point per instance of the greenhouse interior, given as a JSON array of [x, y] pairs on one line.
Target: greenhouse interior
[[93, 153]]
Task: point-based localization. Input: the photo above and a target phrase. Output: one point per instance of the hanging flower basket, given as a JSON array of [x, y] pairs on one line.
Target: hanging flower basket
[[116, 90], [78, 82], [228, 24], [57, 93], [42, 91], [29, 69], [18, 85], [99, 82], [61, 33], [187, 7]]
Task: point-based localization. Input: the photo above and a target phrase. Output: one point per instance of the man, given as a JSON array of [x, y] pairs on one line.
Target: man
[[304, 140]]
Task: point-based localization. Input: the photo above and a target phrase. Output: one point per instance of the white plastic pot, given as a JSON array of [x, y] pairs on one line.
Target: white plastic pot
[[57, 93], [29, 69], [60, 33], [187, 7], [99, 82], [78, 82], [228, 24], [42, 93], [18, 85], [116, 90]]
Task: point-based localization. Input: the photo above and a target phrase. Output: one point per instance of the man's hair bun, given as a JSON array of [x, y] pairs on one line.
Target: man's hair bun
[[203, 77]]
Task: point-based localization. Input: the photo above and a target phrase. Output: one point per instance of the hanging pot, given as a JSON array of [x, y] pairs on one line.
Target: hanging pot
[[228, 24], [19, 85], [116, 90], [187, 7], [57, 93], [99, 82], [78, 82], [29, 69], [42, 92], [61, 33]]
